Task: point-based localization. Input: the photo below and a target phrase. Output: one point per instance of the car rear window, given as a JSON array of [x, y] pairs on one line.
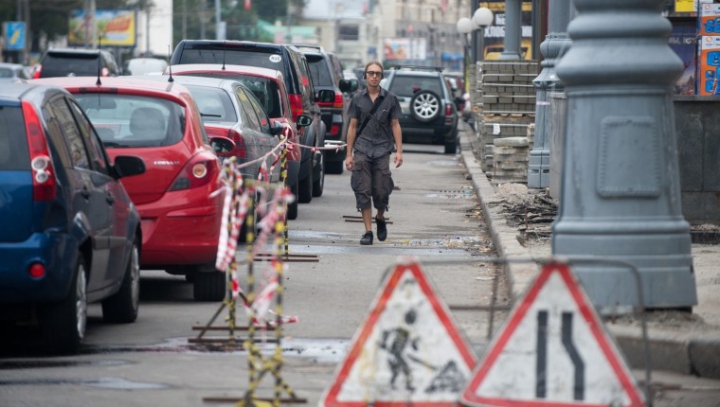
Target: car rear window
[[260, 57], [319, 71], [129, 121], [265, 90], [6, 73], [214, 103], [65, 64], [406, 86], [14, 153]]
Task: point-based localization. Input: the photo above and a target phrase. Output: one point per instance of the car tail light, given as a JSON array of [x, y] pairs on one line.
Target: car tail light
[[36, 73], [338, 101], [296, 105], [448, 109], [105, 72], [36, 270], [240, 147], [44, 188], [334, 129], [196, 173]]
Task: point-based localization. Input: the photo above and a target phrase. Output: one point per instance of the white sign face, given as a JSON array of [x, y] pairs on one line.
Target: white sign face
[[408, 350], [553, 350]]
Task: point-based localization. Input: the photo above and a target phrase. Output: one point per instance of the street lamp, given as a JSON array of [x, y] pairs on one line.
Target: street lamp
[[482, 18], [465, 27]]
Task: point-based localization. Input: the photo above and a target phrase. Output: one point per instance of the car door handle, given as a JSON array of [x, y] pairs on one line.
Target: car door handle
[[85, 192], [110, 199]]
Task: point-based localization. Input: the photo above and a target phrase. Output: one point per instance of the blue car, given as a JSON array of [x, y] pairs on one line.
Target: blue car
[[69, 233]]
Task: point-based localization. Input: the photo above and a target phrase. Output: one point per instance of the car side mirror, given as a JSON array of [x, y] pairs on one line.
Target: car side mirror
[[276, 128], [326, 96], [222, 146], [304, 120], [348, 85], [127, 166]]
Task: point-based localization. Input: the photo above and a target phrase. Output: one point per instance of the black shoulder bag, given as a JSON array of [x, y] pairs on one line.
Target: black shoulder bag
[[375, 106]]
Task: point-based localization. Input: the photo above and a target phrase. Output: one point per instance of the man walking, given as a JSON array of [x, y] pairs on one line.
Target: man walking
[[369, 146]]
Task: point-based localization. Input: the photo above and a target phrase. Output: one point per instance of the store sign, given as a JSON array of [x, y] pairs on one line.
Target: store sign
[[709, 66], [685, 6], [400, 49]]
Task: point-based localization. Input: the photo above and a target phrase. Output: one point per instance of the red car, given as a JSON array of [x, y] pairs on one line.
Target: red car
[[160, 122], [268, 86]]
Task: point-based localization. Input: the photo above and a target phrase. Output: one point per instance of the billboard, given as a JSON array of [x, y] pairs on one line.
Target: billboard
[[495, 34], [403, 49], [684, 42], [116, 28], [708, 66]]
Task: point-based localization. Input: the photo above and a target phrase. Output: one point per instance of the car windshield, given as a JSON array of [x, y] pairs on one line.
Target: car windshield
[[14, 153], [214, 103], [129, 121], [229, 55], [319, 71], [6, 73], [265, 90], [407, 86]]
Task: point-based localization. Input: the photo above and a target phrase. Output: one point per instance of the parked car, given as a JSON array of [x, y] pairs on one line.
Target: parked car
[[268, 86], [70, 234], [360, 73], [326, 71], [428, 109], [160, 122], [144, 66], [13, 72], [76, 62], [298, 82]]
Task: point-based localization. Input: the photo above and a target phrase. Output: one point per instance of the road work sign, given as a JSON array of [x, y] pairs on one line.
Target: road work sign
[[553, 351], [14, 33], [407, 351]]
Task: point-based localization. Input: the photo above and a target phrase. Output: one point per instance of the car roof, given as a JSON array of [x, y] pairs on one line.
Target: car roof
[[244, 44], [124, 82], [193, 80], [11, 65], [14, 90], [250, 70], [416, 73]]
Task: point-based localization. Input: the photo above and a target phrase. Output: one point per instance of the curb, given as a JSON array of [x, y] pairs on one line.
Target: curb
[[685, 352]]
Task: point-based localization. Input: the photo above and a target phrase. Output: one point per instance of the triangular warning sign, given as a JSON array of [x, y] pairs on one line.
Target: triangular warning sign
[[553, 351], [408, 350]]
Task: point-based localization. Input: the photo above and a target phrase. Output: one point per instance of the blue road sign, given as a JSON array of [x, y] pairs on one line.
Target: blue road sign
[[14, 33]]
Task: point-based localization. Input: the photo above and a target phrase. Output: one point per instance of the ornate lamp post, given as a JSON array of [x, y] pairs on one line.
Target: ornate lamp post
[[481, 19], [620, 196], [465, 26]]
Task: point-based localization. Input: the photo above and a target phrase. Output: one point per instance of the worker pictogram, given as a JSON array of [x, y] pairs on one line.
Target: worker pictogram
[[553, 351], [408, 349]]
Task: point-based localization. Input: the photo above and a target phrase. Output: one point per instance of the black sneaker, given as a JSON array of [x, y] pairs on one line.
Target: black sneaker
[[381, 229], [366, 239]]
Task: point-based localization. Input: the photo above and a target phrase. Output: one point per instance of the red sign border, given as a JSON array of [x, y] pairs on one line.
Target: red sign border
[[587, 311], [330, 400]]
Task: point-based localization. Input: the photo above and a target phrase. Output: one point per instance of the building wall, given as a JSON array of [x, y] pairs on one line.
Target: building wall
[[161, 29]]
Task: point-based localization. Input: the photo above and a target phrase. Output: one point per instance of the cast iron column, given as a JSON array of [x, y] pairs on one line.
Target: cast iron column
[[513, 30], [555, 45], [620, 196]]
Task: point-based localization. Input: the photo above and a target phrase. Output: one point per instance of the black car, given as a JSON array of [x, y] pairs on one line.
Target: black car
[[428, 108], [301, 93], [70, 235], [76, 62], [327, 74]]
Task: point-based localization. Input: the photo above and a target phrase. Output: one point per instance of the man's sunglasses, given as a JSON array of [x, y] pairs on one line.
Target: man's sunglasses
[[373, 73]]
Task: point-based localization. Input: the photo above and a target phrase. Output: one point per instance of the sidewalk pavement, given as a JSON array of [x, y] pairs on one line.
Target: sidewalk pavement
[[679, 342]]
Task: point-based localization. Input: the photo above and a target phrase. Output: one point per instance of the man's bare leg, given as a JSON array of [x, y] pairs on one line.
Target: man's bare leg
[[367, 218]]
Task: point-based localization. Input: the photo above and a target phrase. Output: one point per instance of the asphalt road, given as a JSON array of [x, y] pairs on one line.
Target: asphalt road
[[435, 216]]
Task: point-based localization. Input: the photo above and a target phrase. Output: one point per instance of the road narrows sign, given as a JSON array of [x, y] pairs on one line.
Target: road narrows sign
[[553, 351], [408, 349]]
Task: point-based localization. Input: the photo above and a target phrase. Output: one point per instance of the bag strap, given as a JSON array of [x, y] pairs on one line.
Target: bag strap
[[375, 106]]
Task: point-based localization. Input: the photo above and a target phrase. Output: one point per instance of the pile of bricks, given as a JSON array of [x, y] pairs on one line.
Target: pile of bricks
[[510, 160], [508, 108]]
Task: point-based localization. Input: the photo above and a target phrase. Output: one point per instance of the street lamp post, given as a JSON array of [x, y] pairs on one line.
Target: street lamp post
[[482, 18]]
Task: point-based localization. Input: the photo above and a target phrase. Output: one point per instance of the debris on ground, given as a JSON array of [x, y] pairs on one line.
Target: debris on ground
[[531, 213]]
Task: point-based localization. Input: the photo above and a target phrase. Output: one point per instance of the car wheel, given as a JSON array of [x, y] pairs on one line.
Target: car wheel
[[334, 167], [123, 306], [305, 194], [292, 209], [319, 184], [209, 285], [425, 106], [63, 323]]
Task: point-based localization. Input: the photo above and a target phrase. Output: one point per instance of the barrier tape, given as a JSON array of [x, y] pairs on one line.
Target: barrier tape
[[337, 148]]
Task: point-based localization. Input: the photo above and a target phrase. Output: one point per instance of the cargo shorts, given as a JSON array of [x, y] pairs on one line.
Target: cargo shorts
[[371, 179]]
